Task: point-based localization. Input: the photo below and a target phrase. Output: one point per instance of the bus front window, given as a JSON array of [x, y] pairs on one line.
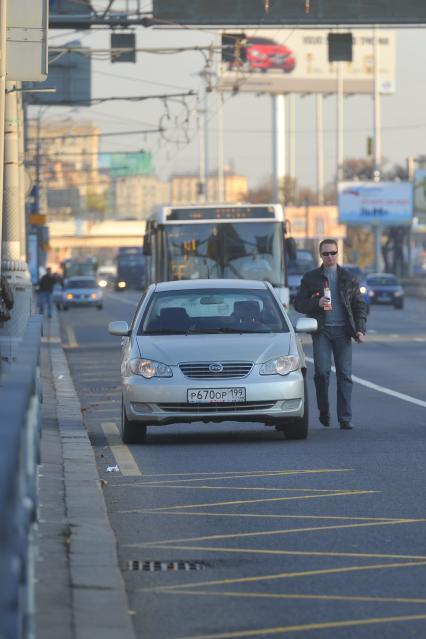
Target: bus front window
[[240, 250]]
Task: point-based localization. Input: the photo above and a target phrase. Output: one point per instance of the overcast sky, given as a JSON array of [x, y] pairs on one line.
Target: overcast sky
[[247, 118]]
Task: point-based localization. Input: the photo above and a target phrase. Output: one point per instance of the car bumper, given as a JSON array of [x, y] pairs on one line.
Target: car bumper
[[98, 302], [164, 401]]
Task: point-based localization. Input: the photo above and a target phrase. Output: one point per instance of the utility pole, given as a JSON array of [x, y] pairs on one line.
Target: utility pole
[[320, 147], [377, 228], [3, 31], [14, 268], [201, 190], [278, 145]]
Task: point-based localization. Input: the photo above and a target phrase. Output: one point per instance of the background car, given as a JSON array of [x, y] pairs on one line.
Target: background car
[[357, 272], [264, 54], [385, 288], [212, 351], [81, 291], [302, 262]]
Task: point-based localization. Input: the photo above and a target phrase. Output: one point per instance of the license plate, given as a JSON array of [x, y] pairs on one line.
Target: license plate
[[216, 395], [383, 298]]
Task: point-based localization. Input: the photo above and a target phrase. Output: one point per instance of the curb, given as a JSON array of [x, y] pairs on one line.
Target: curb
[[96, 602]]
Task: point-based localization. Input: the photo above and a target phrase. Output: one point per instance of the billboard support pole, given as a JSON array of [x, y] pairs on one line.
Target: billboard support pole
[[3, 31], [320, 147], [339, 114], [292, 135], [377, 113], [278, 145], [220, 163]]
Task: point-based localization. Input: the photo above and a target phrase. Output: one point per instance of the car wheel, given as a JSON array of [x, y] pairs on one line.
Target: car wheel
[[100, 307], [399, 306], [65, 308], [58, 306], [298, 428], [131, 432]]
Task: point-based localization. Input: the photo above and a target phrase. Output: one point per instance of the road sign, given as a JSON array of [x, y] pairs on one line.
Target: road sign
[[289, 12], [26, 54]]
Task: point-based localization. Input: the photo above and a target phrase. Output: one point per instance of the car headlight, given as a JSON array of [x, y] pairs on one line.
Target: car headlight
[[371, 293], [121, 284], [102, 283], [69, 296], [280, 366], [149, 368], [363, 289]]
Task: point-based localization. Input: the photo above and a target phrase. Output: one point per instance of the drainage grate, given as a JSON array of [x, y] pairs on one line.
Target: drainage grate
[[165, 566]]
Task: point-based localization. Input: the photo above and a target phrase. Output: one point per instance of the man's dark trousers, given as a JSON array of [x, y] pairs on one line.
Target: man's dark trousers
[[333, 340]]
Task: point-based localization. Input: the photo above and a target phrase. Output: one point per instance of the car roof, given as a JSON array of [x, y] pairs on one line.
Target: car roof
[[389, 275], [182, 285]]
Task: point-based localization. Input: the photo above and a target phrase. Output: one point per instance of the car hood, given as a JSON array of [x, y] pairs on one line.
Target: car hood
[[175, 349]]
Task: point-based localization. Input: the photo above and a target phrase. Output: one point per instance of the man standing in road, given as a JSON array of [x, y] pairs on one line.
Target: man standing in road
[[331, 295], [45, 288]]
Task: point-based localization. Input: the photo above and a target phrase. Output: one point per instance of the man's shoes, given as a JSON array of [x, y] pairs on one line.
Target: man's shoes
[[346, 426], [324, 419]]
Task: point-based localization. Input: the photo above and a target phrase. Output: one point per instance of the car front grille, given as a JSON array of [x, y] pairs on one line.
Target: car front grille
[[216, 407], [200, 370]]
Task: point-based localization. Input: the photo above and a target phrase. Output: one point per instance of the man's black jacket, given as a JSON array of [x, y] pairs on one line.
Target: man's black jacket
[[312, 289]]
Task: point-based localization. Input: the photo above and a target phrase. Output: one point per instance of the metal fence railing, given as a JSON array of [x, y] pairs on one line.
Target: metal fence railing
[[20, 423]]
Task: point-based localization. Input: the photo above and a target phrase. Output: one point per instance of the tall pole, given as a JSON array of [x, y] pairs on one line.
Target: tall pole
[[21, 167], [377, 142], [278, 145], [292, 136], [339, 113], [202, 167], [220, 162], [206, 143], [3, 30], [320, 147]]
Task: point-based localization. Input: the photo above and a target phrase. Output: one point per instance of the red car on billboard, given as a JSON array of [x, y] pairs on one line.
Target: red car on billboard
[[264, 54]]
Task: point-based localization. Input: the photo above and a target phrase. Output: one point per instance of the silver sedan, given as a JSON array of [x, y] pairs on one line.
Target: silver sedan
[[212, 351]]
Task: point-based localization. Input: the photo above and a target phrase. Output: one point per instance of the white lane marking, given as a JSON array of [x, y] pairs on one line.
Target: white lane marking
[[381, 389], [124, 458], [72, 341]]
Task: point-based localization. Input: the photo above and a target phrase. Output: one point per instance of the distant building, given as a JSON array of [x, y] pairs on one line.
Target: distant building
[[134, 196], [185, 188]]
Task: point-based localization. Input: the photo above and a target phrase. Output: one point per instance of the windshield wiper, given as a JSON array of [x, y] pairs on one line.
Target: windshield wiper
[[166, 331]]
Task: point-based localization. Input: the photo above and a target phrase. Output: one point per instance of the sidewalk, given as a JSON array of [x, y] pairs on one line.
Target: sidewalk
[[79, 589]]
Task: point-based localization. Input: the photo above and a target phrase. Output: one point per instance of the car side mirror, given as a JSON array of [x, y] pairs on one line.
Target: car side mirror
[[121, 329], [306, 325]]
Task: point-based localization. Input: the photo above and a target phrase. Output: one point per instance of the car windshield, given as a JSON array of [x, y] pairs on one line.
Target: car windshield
[[382, 281], [81, 284], [198, 311]]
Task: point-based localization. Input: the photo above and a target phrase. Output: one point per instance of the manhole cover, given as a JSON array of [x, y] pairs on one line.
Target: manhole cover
[[165, 566]]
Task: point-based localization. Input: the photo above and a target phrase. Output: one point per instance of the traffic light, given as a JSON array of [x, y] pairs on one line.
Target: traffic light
[[233, 47]]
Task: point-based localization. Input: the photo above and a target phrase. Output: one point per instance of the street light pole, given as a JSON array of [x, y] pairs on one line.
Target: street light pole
[[3, 31]]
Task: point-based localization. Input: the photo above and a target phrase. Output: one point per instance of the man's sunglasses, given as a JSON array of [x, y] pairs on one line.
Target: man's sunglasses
[[327, 253]]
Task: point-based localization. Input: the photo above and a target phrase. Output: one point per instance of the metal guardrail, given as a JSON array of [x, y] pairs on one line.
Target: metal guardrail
[[20, 423]]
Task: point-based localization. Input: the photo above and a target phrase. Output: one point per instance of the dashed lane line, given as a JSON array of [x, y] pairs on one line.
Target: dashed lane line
[[72, 341], [124, 458], [382, 389], [245, 634]]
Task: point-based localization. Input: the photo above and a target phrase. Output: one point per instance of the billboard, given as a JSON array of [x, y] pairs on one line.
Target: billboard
[[26, 40], [376, 203], [127, 164], [290, 12], [296, 61]]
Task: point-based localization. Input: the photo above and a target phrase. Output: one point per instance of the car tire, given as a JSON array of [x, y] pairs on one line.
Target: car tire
[[58, 307], [65, 308], [399, 306], [100, 307], [131, 432], [298, 427]]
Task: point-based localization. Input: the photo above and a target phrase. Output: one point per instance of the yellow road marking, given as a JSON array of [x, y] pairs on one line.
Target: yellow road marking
[[246, 488], [284, 531], [285, 575], [262, 501], [153, 511], [306, 627], [304, 553], [124, 458], [255, 473], [72, 341], [274, 595], [245, 476]]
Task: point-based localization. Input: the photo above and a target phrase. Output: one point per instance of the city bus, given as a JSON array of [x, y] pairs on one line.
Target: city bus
[[243, 241]]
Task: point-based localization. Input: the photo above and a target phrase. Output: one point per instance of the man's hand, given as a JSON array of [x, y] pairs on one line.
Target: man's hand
[[360, 337]]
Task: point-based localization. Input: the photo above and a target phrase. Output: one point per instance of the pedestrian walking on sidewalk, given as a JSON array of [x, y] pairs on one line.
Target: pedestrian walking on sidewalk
[[45, 289], [331, 295]]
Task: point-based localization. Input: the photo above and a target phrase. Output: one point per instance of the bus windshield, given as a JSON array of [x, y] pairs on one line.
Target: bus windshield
[[225, 250]]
